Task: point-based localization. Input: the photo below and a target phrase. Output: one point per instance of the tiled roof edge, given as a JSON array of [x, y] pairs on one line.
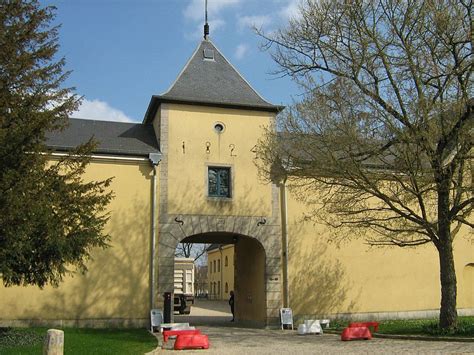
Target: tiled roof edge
[[158, 99]]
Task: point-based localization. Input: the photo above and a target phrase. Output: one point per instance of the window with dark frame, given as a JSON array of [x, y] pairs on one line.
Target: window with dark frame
[[218, 181]]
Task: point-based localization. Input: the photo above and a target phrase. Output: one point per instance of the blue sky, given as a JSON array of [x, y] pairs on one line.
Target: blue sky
[[123, 51]]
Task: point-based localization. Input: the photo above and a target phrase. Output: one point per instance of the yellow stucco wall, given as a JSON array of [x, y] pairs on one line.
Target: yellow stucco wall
[[226, 273], [117, 283], [324, 277], [351, 277], [249, 290], [193, 127]]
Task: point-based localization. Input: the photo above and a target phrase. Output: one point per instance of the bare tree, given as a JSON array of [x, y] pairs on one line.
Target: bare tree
[[191, 250], [382, 141], [201, 281]]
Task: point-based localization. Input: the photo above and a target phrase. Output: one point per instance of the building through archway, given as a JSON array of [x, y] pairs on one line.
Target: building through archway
[[257, 284]]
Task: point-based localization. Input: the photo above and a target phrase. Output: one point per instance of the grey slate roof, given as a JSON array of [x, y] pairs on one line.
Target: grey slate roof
[[213, 82], [117, 138], [213, 247]]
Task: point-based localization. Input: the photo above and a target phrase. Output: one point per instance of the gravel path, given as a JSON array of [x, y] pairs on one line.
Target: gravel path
[[225, 338]]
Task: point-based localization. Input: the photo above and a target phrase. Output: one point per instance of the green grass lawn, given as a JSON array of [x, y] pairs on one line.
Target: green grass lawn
[[78, 341], [418, 327]]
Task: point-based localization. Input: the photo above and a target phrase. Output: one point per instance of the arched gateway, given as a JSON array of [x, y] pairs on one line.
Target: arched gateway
[[257, 243]]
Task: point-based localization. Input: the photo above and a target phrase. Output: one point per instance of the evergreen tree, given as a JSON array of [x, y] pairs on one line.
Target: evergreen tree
[[50, 219]]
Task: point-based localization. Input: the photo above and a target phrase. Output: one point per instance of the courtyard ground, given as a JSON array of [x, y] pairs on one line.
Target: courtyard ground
[[213, 317]]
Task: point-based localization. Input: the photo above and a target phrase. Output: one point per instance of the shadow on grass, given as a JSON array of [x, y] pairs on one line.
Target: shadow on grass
[[425, 327], [85, 341]]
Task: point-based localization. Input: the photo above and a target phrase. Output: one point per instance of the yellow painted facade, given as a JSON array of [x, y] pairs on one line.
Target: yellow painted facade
[[347, 277], [115, 290], [194, 145], [253, 291], [324, 278], [220, 272]]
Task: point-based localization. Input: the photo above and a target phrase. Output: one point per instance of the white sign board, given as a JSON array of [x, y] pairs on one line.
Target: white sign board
[[156, 318], [286, 317]]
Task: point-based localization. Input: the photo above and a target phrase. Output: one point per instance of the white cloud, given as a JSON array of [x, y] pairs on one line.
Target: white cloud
[[195, 13], [100, 110], [241, 50], [195, 9], [254, 21], [291, 10]]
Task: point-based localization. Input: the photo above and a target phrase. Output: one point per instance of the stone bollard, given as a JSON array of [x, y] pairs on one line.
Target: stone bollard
[[54, 343]]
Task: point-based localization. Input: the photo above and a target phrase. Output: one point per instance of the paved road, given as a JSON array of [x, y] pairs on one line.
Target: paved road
[[225, 338], [205, 312], [228, 340]]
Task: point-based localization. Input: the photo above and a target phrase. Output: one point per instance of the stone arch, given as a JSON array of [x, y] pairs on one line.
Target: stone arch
[[224, 230]]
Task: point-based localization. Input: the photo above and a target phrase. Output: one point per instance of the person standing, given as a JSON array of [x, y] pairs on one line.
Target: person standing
[[182, 301], [231, 304]]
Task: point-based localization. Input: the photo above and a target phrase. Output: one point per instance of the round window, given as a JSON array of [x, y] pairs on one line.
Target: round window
[[219, 127]]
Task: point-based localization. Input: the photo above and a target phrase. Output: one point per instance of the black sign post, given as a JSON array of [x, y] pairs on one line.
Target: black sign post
[[167, 307]]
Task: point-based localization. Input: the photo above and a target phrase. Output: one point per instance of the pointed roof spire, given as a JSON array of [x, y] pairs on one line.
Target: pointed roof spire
[[209, 79], [206, 25]]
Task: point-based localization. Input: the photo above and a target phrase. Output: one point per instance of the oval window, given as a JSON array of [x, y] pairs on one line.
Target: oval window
[[219, 127]]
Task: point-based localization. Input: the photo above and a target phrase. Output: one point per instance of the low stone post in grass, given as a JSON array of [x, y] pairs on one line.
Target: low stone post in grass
[[54, 343]]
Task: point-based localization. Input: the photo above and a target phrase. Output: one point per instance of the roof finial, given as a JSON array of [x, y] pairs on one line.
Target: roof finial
[[206, 25]]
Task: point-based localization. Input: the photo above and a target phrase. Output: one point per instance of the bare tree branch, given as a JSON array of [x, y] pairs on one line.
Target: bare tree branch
[[380, 144]]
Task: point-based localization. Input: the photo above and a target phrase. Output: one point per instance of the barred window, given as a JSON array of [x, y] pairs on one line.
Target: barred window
[[218, 182]]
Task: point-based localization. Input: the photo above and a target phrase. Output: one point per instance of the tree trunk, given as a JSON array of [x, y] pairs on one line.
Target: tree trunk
[[448, 313]]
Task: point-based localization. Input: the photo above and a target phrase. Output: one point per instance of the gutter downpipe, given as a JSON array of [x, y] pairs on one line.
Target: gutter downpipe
[[221, 293], [154, 159], [284, 232]]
